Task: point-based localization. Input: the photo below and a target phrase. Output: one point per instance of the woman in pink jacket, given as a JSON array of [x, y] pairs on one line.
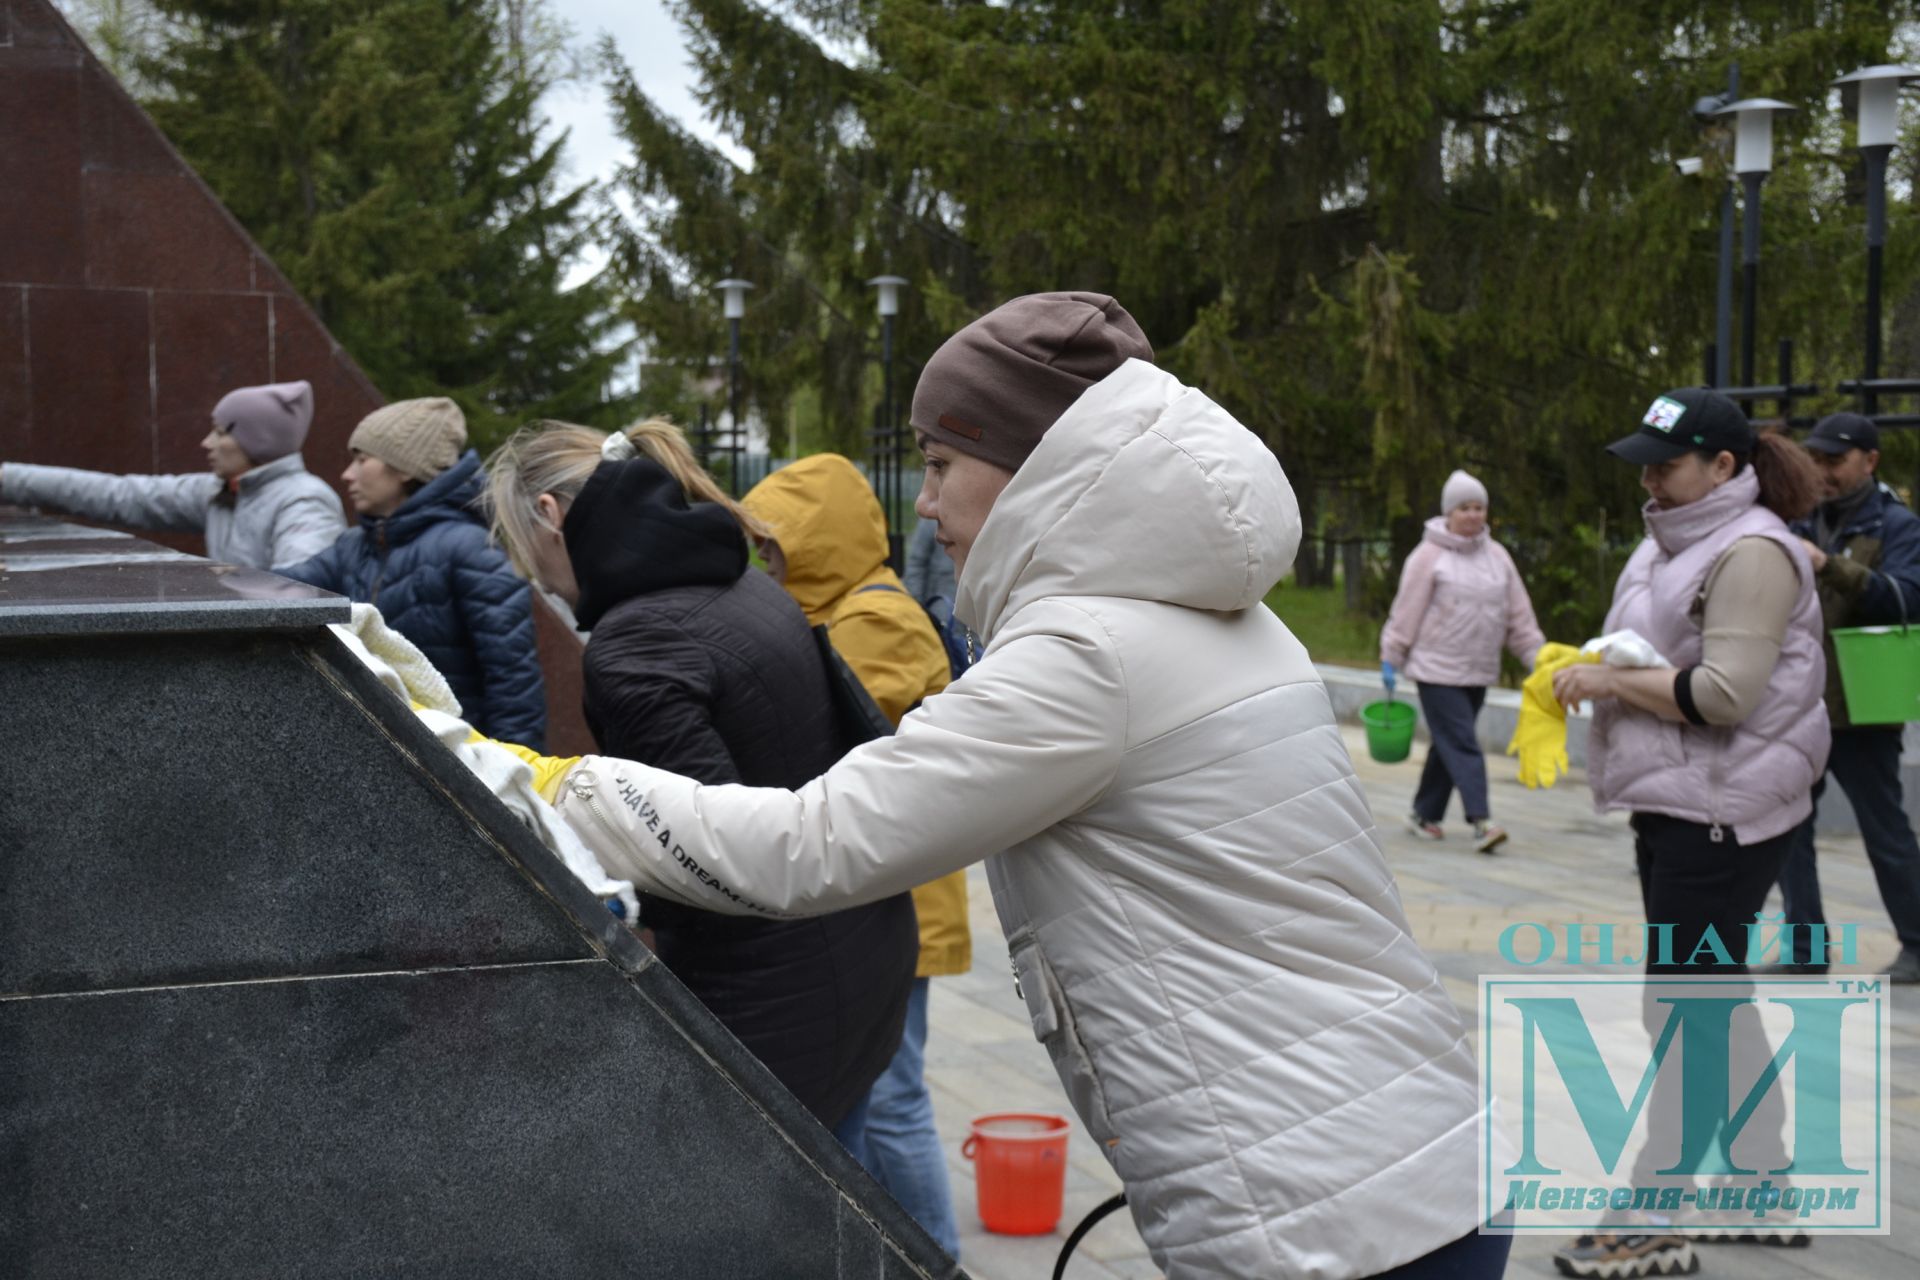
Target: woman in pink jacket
[[1460, 601]]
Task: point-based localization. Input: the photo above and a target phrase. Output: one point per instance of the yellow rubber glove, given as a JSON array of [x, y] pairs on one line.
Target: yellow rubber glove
[[1540, 737], [548, 771]]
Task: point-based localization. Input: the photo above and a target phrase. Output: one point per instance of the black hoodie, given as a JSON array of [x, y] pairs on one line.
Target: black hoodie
[[700, 667]]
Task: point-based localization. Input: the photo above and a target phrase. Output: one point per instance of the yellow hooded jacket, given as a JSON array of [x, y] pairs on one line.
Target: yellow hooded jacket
[[831, 530]]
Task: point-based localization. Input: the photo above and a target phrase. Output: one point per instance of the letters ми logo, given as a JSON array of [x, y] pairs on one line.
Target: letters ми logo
[[1711, 1101]]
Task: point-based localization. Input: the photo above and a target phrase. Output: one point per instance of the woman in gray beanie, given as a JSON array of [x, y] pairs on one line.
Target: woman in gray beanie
[[256, 503], [1206, 935], [422, 557]]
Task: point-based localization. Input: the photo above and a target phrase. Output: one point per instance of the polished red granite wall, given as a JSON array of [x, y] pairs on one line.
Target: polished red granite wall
[[131, 300]]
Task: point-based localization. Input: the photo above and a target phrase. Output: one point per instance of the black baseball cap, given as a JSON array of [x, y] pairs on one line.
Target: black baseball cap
[[1686, 420], [1839, 432]]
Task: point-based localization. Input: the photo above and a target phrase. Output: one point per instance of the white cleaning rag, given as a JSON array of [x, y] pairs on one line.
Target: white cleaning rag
[[1625, 649], [403, 669]]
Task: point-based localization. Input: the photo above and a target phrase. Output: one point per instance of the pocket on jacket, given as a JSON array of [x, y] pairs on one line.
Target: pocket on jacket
[[1053, 1026]]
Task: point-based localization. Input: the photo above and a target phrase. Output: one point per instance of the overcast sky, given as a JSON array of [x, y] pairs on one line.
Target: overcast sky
[[651, 42]]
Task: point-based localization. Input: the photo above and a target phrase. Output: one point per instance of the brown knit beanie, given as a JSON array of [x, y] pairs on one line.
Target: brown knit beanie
[[417, 438], [994, 388]]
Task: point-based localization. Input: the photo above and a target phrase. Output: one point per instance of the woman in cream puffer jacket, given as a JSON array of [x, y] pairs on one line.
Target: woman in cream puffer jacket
[[1205, 934]]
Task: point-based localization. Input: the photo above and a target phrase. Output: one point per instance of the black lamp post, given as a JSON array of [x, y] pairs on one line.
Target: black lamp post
[[887, 451], [735, 294], [1706, 110], [1879, 127], [1752, 161]]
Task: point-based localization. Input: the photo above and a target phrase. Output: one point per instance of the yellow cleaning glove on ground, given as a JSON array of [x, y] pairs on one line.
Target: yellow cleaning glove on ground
[[1540, 737]]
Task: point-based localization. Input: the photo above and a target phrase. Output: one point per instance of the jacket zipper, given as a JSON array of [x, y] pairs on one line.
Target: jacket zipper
[[582, 790], [380, 533], [1715, 832]]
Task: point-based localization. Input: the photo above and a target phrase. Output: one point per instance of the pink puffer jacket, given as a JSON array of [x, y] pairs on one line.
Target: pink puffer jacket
[[1460, 602]]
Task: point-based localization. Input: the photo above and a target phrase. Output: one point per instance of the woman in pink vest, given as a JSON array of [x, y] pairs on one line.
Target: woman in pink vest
[[1460, 601], [1715, 756]]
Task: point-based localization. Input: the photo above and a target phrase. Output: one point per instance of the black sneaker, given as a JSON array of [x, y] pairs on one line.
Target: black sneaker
[[1613, 1257], [1781, 1236], [1777, 1227]]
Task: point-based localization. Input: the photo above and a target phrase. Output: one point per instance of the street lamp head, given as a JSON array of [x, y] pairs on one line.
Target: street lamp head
[[1753, 133], [735, 294], [889, 287], [1880, 101]]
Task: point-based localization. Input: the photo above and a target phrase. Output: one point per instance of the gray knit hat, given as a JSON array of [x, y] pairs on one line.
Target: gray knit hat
[[994, 388], [267, 422], [417, 438]]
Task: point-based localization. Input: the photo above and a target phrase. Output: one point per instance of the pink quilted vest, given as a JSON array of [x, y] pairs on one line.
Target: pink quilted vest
[[1757, 776]]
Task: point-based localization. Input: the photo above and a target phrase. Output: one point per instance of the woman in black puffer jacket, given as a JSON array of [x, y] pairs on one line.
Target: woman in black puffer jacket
[[695, 664]]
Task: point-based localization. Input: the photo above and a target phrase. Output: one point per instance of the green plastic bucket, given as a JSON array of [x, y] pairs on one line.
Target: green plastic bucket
[[1389, 730], [1880, 670]]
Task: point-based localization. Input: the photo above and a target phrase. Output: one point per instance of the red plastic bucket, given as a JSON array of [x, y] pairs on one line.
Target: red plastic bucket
[[1020, 1170]]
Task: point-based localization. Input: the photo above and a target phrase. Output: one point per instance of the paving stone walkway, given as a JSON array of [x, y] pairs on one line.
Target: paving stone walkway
[[1564, 863]]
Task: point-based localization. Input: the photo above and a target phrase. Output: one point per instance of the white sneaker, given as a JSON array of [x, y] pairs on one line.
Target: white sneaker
[[1487, 837], [1423, 829]]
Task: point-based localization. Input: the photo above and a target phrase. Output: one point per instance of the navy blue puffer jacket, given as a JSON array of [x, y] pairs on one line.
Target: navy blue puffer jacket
[[431, 571]]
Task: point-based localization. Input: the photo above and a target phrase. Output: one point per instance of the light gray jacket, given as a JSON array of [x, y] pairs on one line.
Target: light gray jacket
[[1208, 939], [281, 514]]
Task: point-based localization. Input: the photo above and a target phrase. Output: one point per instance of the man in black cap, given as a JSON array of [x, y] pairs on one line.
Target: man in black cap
[[1865, 548]]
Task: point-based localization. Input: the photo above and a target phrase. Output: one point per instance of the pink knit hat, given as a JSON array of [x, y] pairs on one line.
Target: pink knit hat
[[267, 422]]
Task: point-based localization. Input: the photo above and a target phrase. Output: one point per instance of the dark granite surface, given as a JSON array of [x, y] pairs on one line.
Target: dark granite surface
[[58, 578], [175, 781], [285, 991], [500, 1122], [122, 594]]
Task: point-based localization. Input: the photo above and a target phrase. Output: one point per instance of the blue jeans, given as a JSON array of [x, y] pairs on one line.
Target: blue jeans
[[1454, 758], [903, 1150], [1866, 764]]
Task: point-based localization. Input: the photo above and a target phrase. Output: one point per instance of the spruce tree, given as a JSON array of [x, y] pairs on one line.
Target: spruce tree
[[390, 157], [1393, 236]]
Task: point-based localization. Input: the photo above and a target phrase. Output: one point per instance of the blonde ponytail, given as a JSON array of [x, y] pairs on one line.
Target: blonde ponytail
[[558, 458]]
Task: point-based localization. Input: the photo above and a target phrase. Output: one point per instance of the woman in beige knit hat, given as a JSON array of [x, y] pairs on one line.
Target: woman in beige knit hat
[[421, 555]]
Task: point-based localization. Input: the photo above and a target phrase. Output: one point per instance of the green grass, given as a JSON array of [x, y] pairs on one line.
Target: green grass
[[1318, 617]]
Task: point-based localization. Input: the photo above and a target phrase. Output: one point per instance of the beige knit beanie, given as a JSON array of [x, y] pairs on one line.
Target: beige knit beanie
[[417, 438]]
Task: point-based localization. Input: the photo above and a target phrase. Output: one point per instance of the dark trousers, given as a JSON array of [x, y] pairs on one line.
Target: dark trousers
[[1866, 764], [1454, 759], [1689, 881], [1471, 1257]]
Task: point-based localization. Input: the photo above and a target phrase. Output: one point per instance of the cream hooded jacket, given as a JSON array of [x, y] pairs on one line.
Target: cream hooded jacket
[[1205, 934]]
